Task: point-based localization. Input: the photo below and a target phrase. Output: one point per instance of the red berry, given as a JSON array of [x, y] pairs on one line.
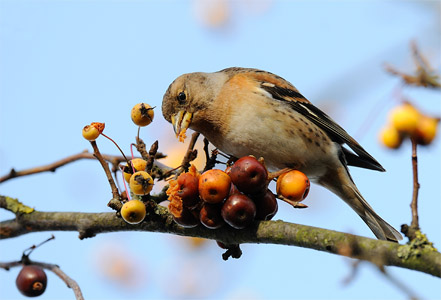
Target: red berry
[[210, 216], [238, 211], [188, 189], [31, 281], [266, 206], [187, 219], [249, 175]]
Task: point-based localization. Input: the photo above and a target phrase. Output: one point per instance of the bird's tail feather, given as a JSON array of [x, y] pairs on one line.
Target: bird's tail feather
[[381, 229], [341, 184]]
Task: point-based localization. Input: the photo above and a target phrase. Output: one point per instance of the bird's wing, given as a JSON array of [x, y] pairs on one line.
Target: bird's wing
[[282, 90]]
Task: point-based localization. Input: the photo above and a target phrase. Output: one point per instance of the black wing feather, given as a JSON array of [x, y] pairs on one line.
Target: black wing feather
[[321, 119]]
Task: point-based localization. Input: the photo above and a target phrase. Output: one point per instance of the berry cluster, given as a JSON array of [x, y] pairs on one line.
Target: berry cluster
[[237, 196], [407, 121], [133, 211]]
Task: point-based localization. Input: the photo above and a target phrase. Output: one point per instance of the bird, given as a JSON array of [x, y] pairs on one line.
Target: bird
[[246, 111]]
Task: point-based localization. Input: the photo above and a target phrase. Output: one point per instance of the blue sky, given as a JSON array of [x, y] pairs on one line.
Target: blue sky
[[64, 64]]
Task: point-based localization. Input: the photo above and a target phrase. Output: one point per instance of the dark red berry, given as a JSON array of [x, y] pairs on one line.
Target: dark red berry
[[31, 281], [239, 211], [266, 206], [249, 175], [187, 219], [234, 190], [210, 216]]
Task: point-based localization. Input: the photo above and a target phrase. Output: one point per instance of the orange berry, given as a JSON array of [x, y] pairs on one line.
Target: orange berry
[[405, 118], [426, 130], [141, 183], [142, 114], [293, 185], [214, 186], [138, 164], [133, 211], [390, 137]]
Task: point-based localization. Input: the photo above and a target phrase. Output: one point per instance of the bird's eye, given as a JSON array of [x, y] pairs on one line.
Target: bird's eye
[[182, 97]]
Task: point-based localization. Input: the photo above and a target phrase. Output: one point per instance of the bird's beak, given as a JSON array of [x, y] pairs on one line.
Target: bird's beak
[[181, 121]]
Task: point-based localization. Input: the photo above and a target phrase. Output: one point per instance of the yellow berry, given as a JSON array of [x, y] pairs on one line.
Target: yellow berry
[[426, 130], [142, 114], [405, 118], [390, 137], [90, 133], [293, 185], [133, 211], [141, 183], [138, 164]]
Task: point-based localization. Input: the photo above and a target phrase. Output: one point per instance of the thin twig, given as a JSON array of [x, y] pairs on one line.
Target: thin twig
[[115, 160], [416, 186], [47, 168], [51, 267], [140, 146], [190, 154], [105, 166], [151, 158], [398, 284]]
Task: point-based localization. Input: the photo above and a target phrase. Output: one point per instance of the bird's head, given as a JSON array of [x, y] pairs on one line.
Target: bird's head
[[188, 99]]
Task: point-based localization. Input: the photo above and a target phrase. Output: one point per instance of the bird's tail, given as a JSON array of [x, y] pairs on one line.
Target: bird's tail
[[340, 182]]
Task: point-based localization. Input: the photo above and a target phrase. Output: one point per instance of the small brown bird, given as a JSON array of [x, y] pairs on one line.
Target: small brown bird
[[245, 111]]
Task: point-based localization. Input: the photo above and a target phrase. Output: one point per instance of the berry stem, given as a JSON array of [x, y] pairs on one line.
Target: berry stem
[[28, 251], [125, 186], [116, 146]]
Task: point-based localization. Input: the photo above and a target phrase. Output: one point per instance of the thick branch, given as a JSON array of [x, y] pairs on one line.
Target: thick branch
[[270, 232]]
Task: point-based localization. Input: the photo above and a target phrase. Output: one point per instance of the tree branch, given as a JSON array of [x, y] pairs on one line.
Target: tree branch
[[424, 259], [113, 159]]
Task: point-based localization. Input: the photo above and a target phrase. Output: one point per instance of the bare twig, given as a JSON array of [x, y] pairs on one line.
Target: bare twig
[[105, 166], [140, 146], [115, 160], [151, 157], [47, 168], [416, 186], [51, 267], [190, 154], [398, 284], [210, 160], [424, 74]]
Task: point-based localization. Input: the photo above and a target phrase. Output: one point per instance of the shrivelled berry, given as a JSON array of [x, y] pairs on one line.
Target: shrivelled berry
[[210, 216], [249, 175], [214, 186], [238, 211], [31, 281]]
